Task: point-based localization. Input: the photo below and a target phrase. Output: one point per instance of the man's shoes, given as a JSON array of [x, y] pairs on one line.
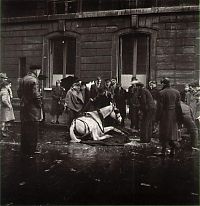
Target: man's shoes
[[57, 122]]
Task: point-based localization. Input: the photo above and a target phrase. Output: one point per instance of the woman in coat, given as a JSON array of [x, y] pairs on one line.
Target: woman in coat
[[57, 103], [7, 113], [169, 115]]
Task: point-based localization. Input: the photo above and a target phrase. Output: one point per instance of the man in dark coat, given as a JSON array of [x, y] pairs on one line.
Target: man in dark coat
[[30, 110], [100, 101], [133, 104], [155, 94], [120, 97], [189, 122], [169, 114], [57, 102], [94, 88], [148, 108]]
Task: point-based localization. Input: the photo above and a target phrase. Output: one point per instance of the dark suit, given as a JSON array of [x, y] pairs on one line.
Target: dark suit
[[148, 108], [30, 112], [94, 90], [120, 97], [133, 103], [168, 114]]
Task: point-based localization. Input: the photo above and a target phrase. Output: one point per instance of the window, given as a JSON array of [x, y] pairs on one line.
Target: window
[[134, 57], [62, 57]]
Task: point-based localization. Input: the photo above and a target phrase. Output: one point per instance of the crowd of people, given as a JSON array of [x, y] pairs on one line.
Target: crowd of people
[[149, 109]]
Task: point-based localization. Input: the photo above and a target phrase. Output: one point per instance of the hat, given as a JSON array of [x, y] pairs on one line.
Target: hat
[[139, 84], [77, 83], [134, 80], [165, 80], [3, 76], [152, 82], [34, 67]]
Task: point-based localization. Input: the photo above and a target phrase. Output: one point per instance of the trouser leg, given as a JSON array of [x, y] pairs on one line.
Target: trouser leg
[[172, 147], [29, 137], [192, 130], [146, 127]]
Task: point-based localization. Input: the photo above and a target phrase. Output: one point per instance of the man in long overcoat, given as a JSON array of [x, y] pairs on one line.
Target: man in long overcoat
[[168, 115], [133, 104], [148, 109], [30, 110], [6, 111]]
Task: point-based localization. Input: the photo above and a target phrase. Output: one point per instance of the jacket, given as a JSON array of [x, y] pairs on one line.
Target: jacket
[[74, 100], [30, 98], [6, 113], [168, 113]]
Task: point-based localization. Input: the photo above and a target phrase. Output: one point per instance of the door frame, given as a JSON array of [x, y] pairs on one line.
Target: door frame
[[116, 64], [56, 34]]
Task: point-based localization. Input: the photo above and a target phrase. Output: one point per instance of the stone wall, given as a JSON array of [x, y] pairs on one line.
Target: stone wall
[[174, 51], [177, 47]]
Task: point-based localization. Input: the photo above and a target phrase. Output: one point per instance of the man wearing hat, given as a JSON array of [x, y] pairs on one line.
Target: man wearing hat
[[133, 104], [3, 78], [30, 110], [147, 108], [168, 115]]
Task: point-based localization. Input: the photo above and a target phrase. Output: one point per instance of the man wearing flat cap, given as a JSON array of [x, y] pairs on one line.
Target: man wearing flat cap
[[168, 115], [30, 110]]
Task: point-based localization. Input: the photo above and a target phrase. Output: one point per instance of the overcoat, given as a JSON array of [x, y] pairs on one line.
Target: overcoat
[[148, 108], [30, 98], [7, 113], [168, 107], [120, 97], [94, 90], [74, 100]]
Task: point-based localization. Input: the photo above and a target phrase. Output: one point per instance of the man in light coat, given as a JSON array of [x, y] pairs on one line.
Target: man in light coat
[[74, 102], [6, 111]]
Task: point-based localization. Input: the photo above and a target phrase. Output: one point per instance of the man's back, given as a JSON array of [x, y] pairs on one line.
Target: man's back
[[169, 97]]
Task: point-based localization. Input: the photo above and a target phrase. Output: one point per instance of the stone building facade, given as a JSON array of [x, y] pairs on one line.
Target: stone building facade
[[147, 39]]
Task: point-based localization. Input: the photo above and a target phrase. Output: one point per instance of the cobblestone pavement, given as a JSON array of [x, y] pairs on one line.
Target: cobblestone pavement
[[120, 171]]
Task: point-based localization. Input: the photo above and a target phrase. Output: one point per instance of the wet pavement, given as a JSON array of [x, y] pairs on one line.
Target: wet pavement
[[74, 173]]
